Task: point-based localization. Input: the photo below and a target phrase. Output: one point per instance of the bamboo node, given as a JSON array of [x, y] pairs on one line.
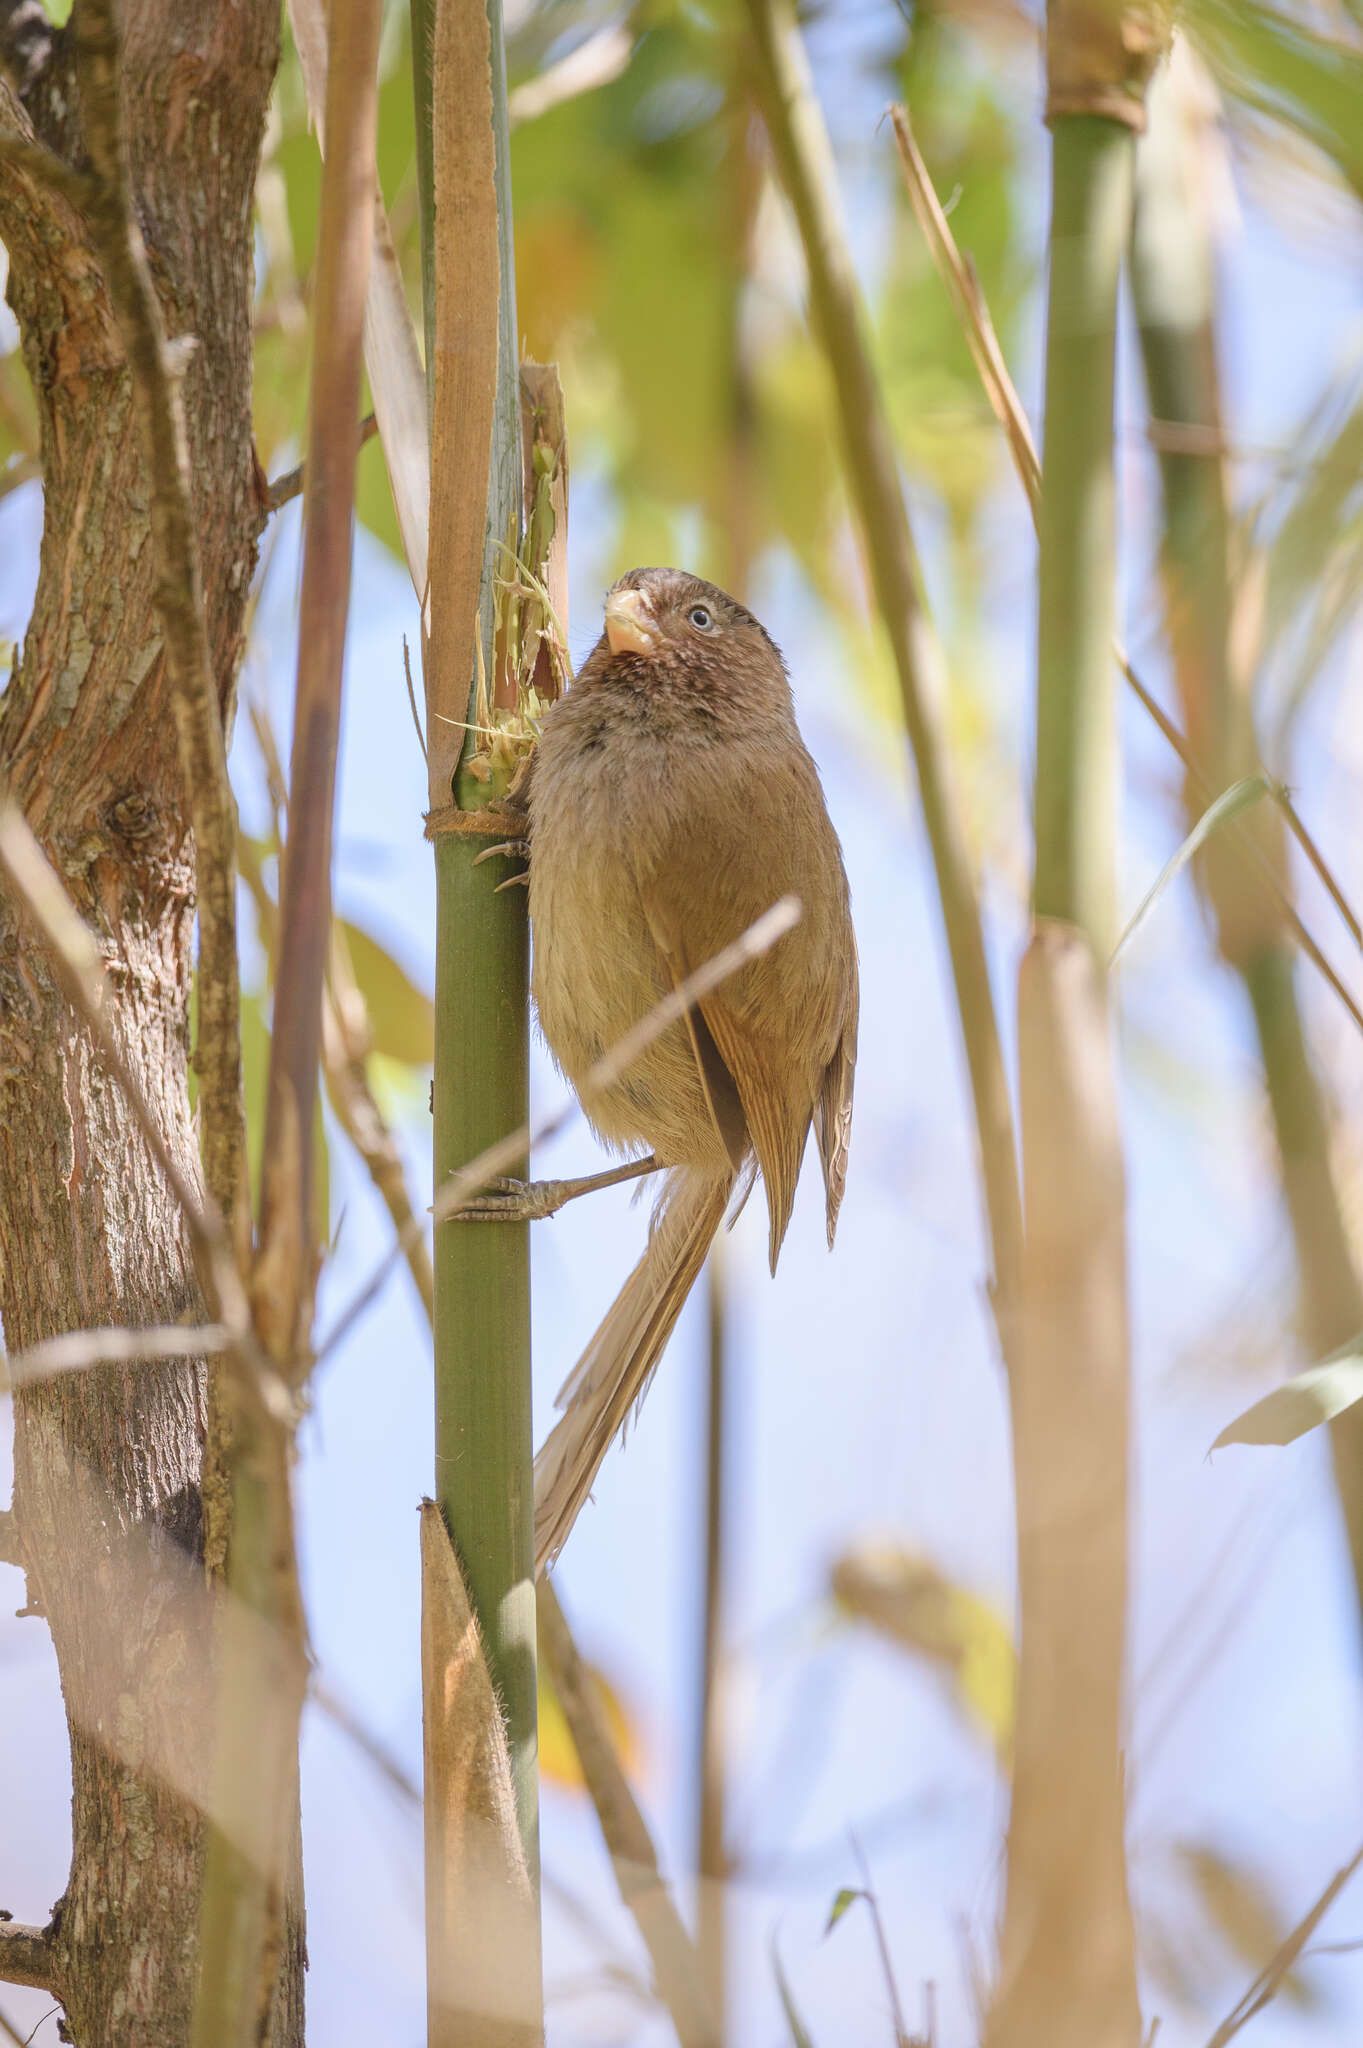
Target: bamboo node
[[494, 822], [1100, 56]]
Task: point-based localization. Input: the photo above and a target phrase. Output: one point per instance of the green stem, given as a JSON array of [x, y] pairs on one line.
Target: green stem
[[1067, 1975], [1076, 743], [1173, 282], [794, 121], [484, 1469], [483, 1443]]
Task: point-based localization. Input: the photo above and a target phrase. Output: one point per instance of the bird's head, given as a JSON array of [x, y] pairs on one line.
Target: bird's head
[[665, 629]]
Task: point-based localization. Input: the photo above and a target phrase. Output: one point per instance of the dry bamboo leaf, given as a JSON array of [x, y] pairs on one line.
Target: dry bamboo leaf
[[914, 1603], [398, 383], [392, 357], [480, 1915]]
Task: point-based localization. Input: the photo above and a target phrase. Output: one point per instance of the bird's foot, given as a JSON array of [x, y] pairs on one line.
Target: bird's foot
[[530, 1201], [516, 849], [515, 1201]]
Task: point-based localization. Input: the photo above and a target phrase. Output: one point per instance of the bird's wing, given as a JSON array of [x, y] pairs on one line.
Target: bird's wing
[[774, 1026], [833, 1112], [753, 1061], [722, 1097]]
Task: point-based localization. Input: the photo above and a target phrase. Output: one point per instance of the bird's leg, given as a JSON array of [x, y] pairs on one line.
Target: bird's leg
[[529, 1201], [519, 849]]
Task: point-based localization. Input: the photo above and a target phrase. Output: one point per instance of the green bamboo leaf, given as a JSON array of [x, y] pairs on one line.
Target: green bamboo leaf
[[848, 1896], [1228, 805], [1303, 1403], [799, 2032], [401, 1016], [1276, 62]]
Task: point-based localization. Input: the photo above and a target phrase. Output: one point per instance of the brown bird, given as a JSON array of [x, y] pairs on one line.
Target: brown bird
[[671, 802]]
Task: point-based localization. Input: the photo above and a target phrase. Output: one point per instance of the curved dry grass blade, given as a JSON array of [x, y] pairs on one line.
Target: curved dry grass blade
[[1268, 1983], [676, 1965], [1228, 805], [800, 2035]]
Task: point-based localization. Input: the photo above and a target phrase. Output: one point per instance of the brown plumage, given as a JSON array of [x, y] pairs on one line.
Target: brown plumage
[[672, 801]]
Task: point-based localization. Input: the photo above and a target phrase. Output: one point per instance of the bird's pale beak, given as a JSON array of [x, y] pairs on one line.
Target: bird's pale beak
[[630, 625]]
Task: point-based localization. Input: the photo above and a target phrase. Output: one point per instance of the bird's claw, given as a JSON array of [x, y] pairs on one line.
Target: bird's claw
[[513, 1201], [518, 849]]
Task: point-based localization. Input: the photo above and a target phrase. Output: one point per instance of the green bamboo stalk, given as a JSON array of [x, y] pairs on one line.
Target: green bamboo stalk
[[784, 91], [1173, 281], [1067, 1975], [1076, 728], [482, 1277]]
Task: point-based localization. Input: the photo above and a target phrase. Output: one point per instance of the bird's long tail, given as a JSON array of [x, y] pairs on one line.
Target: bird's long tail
[[614, 1371]]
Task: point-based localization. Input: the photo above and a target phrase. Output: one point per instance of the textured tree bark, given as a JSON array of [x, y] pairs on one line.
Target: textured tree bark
[[108, 1492]]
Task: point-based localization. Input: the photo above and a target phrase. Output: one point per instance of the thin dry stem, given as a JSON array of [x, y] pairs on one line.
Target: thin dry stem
[[345, 1051], [511, 1150], [259, 1700], [594, 63], [1317, 859], [968, 302], [288, 1237], [81, 1350], [676, 1965], [293, 482], [1270, 1980], [345, 1065]]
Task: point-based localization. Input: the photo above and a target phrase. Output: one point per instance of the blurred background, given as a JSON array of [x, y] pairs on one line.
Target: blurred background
[[867, 1565]]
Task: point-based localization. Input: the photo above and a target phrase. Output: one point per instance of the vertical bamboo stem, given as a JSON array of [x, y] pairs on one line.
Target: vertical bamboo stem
[[482, 1277], [784, 90], [483, 1445], [1067, 1967], [1173, 283], [1076, 743]]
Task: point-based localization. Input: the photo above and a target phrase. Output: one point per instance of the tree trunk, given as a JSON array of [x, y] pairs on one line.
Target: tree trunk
[[108, 1493]]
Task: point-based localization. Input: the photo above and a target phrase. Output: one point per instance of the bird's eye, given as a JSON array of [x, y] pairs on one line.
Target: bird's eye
[[699, 616]]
